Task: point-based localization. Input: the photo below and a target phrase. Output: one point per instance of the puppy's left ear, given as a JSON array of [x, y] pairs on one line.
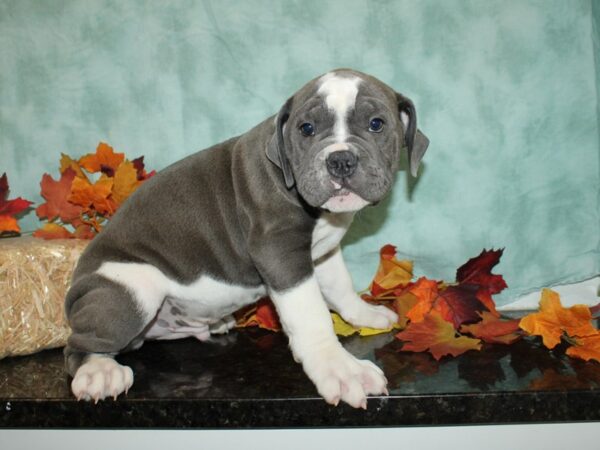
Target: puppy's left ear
[[276, 147], [415, 141]]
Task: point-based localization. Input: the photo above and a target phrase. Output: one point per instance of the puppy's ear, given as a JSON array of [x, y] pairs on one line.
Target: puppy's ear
[[415, 141], [276, 147]]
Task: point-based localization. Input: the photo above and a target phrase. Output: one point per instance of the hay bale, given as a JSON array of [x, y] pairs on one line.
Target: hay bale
[[34, 277]]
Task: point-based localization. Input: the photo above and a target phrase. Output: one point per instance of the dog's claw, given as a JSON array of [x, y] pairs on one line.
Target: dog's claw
[[363, 405]]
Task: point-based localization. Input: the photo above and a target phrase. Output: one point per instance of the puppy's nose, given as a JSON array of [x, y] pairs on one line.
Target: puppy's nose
[[341, 164]]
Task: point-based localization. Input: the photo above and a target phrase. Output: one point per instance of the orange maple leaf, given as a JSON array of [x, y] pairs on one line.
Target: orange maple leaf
[[437, 336], [125, 182], [402, 305], [586, 347], [553, 320], [52, 231], [88, 195], [391, 273], [493, 330], [104, 160], [56, 194], [426, 291], [9, 225]]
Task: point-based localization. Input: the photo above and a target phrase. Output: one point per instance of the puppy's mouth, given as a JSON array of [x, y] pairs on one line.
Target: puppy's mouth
[[344, 199]]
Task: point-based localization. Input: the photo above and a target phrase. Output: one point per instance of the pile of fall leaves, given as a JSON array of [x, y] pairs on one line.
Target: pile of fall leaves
[[452, 318], [434, 316], [88, 192]]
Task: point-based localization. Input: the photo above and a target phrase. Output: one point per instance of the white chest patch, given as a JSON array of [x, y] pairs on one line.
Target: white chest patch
[[189, 309], [340, 96], [329, 231]]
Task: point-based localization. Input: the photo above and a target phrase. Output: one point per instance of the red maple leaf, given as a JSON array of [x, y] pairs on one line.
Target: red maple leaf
[[10, 208], [138, 164], [478, 272], [56, 194]]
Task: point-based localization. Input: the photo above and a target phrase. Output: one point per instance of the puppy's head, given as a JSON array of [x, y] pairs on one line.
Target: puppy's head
[[339, 139]]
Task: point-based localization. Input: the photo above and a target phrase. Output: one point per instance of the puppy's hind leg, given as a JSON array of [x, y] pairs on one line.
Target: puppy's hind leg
[[105, 319]]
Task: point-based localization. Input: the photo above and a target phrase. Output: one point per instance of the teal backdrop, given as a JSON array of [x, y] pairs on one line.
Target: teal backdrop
[[505, 90]]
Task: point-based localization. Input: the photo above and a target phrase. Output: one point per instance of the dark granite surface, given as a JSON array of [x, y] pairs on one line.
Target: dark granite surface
[[248, 379]]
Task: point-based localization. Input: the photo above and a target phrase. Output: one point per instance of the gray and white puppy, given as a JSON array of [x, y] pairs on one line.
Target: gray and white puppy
[[262, 213]]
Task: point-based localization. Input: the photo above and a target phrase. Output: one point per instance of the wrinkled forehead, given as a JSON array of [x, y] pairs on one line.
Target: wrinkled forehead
[[340, 91]]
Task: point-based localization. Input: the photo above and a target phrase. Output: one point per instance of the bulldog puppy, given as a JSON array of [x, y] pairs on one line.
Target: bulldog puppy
[[260, 214]]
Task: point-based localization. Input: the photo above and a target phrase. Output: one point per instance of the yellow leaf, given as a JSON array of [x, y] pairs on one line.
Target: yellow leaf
[[343, 328], [391, 272], [67, 163], [125, 182]]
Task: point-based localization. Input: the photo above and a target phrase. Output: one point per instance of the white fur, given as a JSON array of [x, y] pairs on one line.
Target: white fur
[[328, 232], [206, 300], [348, 202], [336, 373], [340, 96], [100, 376], [338, 290]]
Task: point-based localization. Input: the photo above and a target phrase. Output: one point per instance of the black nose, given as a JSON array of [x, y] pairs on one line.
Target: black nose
[[342, 163]]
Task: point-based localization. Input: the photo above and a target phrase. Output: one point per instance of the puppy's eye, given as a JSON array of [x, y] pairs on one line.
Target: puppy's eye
[[307, 129], [376, 125]]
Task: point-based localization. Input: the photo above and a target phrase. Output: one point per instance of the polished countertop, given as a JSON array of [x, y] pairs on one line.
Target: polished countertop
[[248, 379]]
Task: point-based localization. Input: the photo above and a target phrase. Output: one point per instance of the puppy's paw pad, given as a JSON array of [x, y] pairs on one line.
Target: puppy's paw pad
[[339, 375], [101, 377]]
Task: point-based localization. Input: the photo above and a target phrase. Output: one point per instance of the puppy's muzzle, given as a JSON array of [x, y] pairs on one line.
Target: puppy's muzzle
[[341, 164]]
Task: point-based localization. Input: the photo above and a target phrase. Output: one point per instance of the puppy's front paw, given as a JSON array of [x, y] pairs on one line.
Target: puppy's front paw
[[372, 316], [340, 376], [100, 377]]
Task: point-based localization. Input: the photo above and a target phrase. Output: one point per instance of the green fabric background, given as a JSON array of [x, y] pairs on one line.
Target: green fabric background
[[505, 90]]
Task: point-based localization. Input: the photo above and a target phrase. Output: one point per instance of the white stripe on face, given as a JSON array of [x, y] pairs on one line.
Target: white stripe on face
[[340, 96]]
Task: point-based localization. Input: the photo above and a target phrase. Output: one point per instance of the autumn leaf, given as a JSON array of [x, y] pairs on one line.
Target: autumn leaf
[[402, 305], [478, 271], [84, 231], [426, 292], [88, 195], [125, 182], [9, 209], [66, 162], [261, 314], [9, 226], [586, 347], [493, 330], [391, 272], [56, 194], [456, 304], [343, 328], [460, 304], [104, 160], [138, 163], [52, 231], [553, 320], [436, 335]]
